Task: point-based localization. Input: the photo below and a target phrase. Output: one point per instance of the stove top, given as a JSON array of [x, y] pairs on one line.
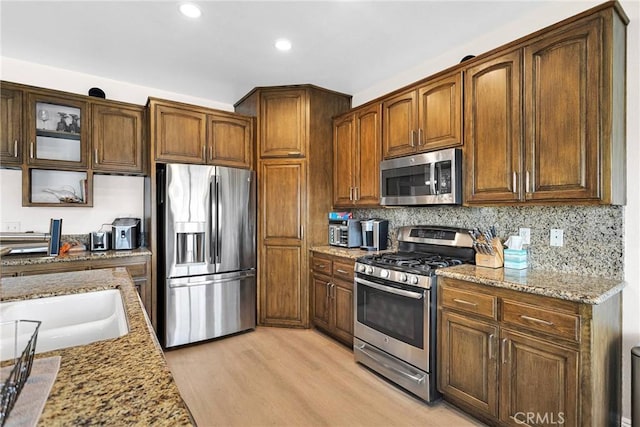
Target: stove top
[[421, 250], [411, 262]]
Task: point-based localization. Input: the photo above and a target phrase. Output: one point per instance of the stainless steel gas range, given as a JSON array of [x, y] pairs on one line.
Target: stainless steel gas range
[[395, 305]]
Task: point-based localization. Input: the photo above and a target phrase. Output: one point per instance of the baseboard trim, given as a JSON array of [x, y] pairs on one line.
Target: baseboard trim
[[626, 422]]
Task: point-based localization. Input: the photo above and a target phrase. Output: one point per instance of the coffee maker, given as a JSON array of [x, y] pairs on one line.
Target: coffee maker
[[374, 234]]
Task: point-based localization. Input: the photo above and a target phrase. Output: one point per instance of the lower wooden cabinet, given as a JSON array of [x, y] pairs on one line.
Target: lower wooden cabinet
[[332, 296], [516, 359], [138, 266]]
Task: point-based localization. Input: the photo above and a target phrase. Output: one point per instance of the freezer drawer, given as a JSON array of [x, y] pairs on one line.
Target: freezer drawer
[[205, 307]]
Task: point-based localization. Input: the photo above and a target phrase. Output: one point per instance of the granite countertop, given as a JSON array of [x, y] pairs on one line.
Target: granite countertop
[[352, 253], [32, 259], [566, 286], [120, 381]]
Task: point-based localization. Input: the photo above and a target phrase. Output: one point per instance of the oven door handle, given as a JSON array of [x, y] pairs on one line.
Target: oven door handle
[[415, 378], [401, 292]]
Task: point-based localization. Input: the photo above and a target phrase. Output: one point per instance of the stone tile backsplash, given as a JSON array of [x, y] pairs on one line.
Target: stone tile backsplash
[[593, 235]]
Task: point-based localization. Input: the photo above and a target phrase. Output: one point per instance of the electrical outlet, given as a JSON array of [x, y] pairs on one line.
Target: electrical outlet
[[11, 227], [525, 234], [556, 237]]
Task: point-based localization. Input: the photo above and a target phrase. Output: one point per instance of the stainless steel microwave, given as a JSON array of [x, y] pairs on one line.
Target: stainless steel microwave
[[433, 178]]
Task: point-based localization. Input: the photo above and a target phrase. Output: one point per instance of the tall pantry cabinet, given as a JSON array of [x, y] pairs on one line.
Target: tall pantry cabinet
[[294, 168]]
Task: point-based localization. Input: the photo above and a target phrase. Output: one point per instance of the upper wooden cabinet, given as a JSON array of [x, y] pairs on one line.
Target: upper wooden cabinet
[[185, 133], [11, 126], [493, 132], [178, 132], [117, 137], [564, 139], [230, 139], [57, 129], [424, 118], [356, 157], [283, 123]]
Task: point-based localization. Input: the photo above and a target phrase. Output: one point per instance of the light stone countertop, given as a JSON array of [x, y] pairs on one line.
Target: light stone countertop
[[120, 381], [352, 253], [33, 259], [566, 286]]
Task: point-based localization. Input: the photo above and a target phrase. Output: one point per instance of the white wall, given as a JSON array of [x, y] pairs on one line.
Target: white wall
[[29, 73], [114, 196], [547, 15]]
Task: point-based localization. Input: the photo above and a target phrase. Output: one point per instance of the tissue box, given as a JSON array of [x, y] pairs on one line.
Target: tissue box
[[340, 215], [515, 258]]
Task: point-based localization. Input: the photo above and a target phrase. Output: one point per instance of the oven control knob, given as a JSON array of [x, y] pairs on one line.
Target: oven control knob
[[361, 268], [384, 273], [403, 277], [369, 270], [414, 280]]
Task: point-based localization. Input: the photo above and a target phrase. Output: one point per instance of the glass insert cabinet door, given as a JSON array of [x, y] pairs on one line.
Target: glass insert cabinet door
[[57, 132]]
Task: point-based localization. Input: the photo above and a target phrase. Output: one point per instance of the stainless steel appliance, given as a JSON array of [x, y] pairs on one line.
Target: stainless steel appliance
[[99, 240], [207, 220], [375, 233], [125, 233], [395, 305], [345, 233], [432, 178]]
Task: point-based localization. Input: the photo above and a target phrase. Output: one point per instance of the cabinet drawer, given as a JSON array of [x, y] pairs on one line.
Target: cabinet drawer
[[343, 270], [470, 302], [539, 319], [321, 265]]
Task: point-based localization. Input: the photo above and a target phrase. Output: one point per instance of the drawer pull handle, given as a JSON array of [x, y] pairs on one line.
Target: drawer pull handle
[[533, 319], [461, 301], [320, 265], [342, 271]]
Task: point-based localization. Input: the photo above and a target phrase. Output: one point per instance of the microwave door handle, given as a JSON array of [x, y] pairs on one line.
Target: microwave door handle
[[432, 176]]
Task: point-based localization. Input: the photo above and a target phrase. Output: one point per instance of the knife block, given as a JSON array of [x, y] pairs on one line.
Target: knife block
[[492, 261]]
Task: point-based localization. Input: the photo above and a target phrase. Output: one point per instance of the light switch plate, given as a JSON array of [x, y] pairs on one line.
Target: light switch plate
[[556, 237]]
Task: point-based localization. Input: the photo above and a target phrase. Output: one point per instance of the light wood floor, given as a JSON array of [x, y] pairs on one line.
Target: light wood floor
[[292, 377]]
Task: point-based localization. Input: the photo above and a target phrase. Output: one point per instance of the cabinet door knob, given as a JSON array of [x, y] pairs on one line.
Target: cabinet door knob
[[31, 150], [527, 182], [412, 138], [211, 152], [515, 182], [419, 137], [95, 156], [15, 148]]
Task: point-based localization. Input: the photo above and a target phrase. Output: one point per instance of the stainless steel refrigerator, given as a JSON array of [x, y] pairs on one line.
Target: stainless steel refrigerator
[[207, 218]]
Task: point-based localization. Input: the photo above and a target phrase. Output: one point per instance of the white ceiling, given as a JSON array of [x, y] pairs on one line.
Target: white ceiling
[[346, 46]]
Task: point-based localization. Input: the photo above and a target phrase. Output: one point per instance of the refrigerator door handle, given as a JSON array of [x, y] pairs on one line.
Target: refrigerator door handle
[[213, 221], [218, 225]]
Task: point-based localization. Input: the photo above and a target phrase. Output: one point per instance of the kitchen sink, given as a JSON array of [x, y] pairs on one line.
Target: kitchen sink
[[68, 320]]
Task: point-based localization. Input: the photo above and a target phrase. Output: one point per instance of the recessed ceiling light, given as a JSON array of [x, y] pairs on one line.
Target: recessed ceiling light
[[283, 44], [190, 10]]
